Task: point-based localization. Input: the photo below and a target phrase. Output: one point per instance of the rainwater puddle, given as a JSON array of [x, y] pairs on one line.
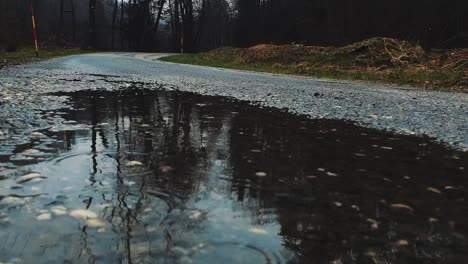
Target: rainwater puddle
[[142, 176]]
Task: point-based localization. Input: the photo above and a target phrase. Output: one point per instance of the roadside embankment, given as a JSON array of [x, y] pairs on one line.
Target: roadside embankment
[[381, 60]]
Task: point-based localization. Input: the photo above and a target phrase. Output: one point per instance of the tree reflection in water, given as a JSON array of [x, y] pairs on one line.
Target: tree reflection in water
[[225, 181]]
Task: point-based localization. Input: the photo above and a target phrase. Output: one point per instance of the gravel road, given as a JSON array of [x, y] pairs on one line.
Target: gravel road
[[442, 116]]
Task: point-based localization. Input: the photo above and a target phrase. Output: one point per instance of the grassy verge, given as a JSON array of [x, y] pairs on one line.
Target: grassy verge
[[28, 55], [331, 64]]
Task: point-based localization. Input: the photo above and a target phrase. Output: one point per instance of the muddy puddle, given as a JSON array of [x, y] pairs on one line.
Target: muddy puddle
[[141, 176]]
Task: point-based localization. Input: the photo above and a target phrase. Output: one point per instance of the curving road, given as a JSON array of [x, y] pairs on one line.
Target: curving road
[[440, 115]]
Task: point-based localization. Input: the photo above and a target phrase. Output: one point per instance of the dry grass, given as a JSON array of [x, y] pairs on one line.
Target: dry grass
[[28, 55]]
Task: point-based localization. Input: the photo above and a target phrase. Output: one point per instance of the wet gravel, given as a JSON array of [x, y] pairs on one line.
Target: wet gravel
[[443, 116]]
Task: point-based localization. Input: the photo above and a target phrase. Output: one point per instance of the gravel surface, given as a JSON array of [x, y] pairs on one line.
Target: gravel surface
[[443, 116]]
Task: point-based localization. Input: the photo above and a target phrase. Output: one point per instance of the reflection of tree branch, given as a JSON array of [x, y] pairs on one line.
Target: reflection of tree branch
[[94, 121]]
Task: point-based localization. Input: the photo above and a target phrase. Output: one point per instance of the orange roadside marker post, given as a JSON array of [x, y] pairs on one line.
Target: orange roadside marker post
[[34, 29]]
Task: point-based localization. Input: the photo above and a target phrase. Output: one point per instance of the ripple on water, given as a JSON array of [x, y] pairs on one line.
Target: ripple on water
[[172, 177]]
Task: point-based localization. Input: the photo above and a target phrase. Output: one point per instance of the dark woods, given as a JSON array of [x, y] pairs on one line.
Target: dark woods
[[166, 25]]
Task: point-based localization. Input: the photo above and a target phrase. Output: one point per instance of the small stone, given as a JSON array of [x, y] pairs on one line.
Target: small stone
[[69, 122], [101, 230], [31, 151], [94, 222], [44, 217], [331, 174], [9, 199], [260, 174], [198, 215], [151, 229], [28, 177], [59, 210], [338, 204], [83, 214], [258, 231], [37, 134]]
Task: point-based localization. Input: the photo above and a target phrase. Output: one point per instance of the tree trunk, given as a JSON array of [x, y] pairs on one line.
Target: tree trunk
[[92, 24], [158, 18], [114, 16]]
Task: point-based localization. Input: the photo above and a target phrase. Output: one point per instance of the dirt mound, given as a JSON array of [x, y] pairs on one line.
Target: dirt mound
[[377, 52]]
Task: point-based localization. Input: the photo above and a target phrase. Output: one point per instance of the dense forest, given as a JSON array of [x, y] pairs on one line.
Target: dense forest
[[198, 25]]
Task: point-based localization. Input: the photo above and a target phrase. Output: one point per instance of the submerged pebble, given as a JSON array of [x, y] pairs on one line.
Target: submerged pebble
[[258, 231], [261, 174], [95, 222], [29, 177], [83, 214], [37, 134], [31, 151], [59, 210], [9, 200], [44, 217], [151, 229]]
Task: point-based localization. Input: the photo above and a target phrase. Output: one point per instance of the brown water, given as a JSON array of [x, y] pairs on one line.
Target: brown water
[[168, 177]]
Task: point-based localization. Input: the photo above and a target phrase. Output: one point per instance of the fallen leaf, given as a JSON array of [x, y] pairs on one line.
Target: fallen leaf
[[402, 243], [402, 206], [133, 163], [434, 190]]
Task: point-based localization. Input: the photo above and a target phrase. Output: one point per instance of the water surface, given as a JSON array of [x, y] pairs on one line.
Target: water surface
[[140, 176]]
